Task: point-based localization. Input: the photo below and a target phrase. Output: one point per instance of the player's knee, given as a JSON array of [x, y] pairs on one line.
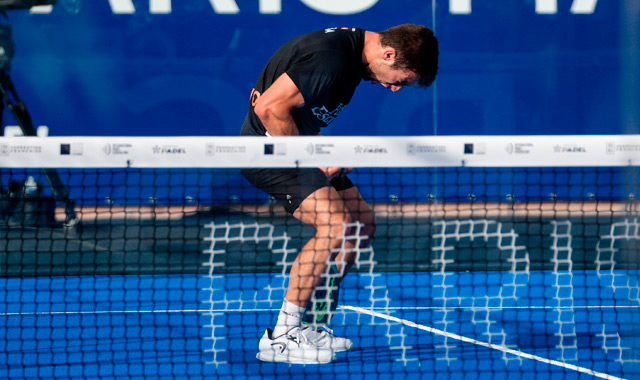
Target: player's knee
[[335, 229], [339, 225]]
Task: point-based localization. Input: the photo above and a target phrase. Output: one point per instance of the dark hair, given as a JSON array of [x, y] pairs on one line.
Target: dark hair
[[416, 50]]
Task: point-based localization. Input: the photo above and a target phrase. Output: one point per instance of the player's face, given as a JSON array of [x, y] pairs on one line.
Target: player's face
[[391, 78]]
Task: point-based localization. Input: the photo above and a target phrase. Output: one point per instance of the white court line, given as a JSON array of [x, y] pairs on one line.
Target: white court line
[[480, 343], [508, 307], [375, 314], [103, 312], [159, 311]]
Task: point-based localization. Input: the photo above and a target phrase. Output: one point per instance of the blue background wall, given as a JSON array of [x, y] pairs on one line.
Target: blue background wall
[[126, 67]]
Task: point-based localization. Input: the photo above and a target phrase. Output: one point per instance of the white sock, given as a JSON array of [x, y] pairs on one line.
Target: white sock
[[290, 316]]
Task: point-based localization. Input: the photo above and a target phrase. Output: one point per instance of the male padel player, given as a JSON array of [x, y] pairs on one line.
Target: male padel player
[[303, 87]]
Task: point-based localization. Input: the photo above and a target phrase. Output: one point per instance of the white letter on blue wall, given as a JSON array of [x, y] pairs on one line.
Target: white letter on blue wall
[[122, 6], [225, 6], [160, 6], [270, 6], [339, 7], [577, 6], [460, 7], [583, 6]]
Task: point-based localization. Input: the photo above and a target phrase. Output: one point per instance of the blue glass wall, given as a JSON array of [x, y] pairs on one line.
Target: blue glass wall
[[186, 67]]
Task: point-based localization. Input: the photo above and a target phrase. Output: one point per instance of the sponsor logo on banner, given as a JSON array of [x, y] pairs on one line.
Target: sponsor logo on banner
[[275, 149], [116, 149], [613, 148], [414, 149], [168, 149], [8, 149], [217, 149], [475, 148], [75, 149], [370, 149], [519, 148], [569, 148], [319, 148]]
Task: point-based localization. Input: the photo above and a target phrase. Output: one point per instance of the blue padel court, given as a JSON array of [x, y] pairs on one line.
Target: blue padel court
[[432, 325]]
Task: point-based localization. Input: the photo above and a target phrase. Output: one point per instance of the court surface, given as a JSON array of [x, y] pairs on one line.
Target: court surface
[[423, 325]]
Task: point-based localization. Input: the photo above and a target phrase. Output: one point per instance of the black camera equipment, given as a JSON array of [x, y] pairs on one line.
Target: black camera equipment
[[18, 108]]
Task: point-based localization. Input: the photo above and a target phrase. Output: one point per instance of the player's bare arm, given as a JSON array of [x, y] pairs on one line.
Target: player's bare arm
[[275, 105]]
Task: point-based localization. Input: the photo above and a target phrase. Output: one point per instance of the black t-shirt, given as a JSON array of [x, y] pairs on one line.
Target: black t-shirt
[[326, 66]]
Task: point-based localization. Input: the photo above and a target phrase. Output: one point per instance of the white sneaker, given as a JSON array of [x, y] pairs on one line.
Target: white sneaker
[[293, 347], [323, 338]]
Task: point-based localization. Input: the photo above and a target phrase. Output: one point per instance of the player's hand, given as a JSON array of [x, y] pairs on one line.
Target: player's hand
[[331, 173]]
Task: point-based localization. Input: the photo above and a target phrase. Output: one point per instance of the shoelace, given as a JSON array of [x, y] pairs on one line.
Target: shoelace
[[320, 334], [325, 328], [328, 330], [299, 338]]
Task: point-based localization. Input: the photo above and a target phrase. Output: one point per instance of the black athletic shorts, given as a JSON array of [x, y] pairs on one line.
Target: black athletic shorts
[[291, 186]]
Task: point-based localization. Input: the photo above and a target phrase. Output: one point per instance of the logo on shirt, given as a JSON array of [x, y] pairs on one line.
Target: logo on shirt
[[325, 115], [331, 30]]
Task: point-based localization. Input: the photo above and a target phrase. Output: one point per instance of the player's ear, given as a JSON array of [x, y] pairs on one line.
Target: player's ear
[[389, 54]]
